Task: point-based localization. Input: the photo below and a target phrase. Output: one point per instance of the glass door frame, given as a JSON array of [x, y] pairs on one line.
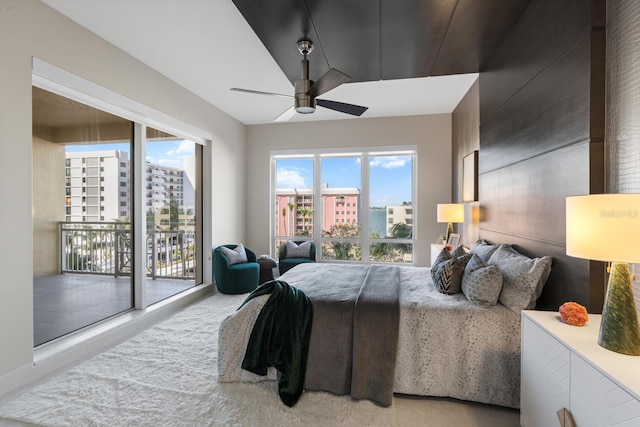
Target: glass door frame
[[61, 82]]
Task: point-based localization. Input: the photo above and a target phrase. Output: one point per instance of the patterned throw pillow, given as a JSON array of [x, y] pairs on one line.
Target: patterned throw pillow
[[447, 271], [303, 250], [524, 277], [481, 283], [236, 255], [459, 251]]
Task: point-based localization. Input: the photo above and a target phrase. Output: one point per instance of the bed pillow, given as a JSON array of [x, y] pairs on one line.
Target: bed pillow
[[459, 251], [481, 283], [236, 255], [447, 270], [524, 277], [483, 249], [293, 250]]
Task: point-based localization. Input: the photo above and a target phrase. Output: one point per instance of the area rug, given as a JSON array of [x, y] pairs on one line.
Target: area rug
[[166, 376]]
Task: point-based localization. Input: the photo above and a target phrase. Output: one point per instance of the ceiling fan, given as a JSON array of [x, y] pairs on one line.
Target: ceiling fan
[[306, 90]]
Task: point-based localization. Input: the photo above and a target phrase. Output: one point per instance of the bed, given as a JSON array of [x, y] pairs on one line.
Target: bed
[[446, 345]]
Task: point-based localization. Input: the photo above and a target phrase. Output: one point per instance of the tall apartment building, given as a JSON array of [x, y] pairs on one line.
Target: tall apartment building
[[295, 209], [98, 189], [97, 186], [163, 184]]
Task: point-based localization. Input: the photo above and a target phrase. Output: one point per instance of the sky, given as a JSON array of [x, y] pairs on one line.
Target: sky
[[164, 153], [390, 176]]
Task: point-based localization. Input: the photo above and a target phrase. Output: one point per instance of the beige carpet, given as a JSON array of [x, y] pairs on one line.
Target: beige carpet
[[165, 376]]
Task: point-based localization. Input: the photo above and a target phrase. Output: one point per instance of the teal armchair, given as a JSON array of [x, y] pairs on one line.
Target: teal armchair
[[238, 278], [286, 262]]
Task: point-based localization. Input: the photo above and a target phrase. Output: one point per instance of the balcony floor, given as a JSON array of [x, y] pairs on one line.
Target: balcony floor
[[68, 302]]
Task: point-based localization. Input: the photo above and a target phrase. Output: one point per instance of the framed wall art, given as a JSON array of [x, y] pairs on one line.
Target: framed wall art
[[470, 177]]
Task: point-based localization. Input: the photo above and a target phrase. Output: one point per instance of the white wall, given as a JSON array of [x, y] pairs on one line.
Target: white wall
[[431, 134], [30, 28]]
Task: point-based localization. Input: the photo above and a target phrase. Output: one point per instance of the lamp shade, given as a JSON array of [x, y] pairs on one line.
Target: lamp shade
[[451, 212], [604, 227]]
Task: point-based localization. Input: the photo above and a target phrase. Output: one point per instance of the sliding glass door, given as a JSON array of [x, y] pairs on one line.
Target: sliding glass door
[[81, 215], [171, 194], [84, 238]]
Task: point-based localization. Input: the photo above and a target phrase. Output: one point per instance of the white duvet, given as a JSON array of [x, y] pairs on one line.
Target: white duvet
[[446, 346]]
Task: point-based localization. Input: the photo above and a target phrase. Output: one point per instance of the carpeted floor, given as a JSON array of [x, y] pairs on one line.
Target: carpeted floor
[[166, 376]]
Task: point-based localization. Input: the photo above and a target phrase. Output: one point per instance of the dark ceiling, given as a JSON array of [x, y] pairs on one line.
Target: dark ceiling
[[382, 39]]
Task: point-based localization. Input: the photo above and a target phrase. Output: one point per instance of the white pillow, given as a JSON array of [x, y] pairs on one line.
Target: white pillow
[[524, 277], [303, 250], [236, 255]]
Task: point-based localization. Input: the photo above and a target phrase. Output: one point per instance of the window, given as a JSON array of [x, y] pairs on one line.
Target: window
[[320, 197]]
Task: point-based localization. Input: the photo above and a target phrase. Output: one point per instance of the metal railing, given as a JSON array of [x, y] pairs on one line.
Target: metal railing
[[105, 248]]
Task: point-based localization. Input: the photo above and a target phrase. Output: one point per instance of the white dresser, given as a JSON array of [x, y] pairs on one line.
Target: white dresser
[[564, 367]]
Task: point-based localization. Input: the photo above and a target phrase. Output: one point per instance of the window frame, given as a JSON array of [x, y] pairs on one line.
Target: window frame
[[61, 82], [365, 153]]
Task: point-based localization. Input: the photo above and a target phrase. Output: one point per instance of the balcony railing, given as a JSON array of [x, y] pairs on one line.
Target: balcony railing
[[105, 248]]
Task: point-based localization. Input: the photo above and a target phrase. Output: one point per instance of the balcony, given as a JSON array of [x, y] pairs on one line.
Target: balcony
[[95, 282], [105, 248]]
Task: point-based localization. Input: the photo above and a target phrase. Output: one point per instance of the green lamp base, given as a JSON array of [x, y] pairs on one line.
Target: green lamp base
[[619, 330]]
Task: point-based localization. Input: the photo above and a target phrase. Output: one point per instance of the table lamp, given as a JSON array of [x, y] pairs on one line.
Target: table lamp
[[606, 227], [450, 213]]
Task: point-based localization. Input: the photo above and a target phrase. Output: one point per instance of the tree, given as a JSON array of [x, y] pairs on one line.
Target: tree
[[174, 214], [392, 252], [292, 206], [343, 250], [305, 212]]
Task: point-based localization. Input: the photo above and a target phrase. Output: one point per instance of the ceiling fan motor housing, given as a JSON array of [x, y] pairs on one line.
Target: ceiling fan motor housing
[[304, 104]]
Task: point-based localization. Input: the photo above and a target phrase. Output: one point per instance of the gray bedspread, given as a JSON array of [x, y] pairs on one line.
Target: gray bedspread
[[354, 334]]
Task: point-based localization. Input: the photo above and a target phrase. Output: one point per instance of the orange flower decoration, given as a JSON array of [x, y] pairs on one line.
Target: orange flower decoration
[[574, 314]]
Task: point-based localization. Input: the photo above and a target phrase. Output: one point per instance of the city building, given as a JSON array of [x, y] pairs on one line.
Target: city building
[[97, 186], [295, 209]]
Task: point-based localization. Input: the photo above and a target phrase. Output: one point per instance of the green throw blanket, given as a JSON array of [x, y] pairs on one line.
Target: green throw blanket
[[280, 338]]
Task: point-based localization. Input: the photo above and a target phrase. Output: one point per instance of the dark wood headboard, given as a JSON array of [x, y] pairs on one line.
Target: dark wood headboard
[[542, 139]]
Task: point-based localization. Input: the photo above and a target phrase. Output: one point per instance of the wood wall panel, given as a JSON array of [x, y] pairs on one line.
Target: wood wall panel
[[542, 116], [465, 137], [527, 199], [544, 31], [549, 112]]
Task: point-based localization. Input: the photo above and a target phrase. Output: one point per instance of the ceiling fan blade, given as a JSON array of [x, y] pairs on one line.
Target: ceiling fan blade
[[285, 116], [257, 92], [329, 80], [354, 110]]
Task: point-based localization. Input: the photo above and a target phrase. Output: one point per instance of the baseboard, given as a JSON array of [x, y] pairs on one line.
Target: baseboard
[[70, 350]]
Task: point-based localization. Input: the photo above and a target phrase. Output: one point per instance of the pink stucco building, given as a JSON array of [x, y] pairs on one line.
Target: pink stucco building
[[295, 209]]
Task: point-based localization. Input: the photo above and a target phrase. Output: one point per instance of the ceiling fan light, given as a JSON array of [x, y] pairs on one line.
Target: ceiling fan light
[[305, 110]]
